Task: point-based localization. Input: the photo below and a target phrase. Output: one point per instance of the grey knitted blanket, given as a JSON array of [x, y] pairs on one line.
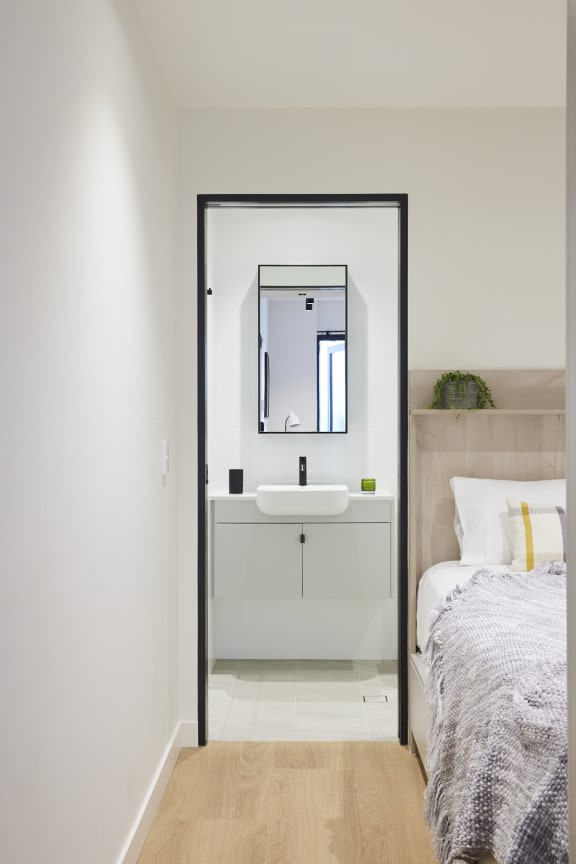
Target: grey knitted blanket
[[497, 746]]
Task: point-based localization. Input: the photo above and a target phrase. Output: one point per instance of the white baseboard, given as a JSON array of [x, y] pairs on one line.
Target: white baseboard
[[185, 735], [188, 733]]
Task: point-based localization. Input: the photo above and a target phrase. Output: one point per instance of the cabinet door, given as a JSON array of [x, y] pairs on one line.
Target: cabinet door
[[257, 561], [350, 560]]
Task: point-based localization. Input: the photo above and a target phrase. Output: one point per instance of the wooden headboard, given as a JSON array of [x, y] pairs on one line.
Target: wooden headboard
[[522, 439]]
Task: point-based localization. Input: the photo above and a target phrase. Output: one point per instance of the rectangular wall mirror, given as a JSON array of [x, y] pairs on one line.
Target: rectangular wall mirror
[[302, 351]]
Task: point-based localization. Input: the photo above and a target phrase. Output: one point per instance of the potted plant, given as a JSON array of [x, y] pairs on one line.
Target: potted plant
[[461, 390]]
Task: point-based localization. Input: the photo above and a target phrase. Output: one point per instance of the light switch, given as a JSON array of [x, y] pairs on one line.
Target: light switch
[[165, 458]]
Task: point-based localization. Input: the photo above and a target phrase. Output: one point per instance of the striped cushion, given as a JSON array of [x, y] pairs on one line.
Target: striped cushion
[[538, 533]]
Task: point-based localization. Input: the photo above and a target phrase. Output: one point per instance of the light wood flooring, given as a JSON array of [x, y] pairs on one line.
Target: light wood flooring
[[292, 803]]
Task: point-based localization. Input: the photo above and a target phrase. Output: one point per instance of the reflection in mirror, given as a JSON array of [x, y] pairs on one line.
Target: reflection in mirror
[[302, 348]]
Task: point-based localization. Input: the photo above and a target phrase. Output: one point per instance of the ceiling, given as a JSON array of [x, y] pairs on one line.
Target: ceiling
[[359, 53]]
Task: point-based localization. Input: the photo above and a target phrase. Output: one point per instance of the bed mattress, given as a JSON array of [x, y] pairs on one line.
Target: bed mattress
[[435, 584]]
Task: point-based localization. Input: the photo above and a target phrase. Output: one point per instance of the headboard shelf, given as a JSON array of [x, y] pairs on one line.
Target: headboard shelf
[[511, 388], [440, 412], [519, 442]]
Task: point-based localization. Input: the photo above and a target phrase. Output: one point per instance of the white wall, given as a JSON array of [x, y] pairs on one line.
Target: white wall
[[486, 201], [88, 634]]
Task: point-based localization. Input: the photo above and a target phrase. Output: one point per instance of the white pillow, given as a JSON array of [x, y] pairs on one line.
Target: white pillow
[[482, 513]]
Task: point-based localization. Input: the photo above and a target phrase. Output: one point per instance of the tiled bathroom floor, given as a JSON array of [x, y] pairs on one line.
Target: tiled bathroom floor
[[303, 700]]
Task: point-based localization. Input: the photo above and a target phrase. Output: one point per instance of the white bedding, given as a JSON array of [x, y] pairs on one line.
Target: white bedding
[[436, 584]]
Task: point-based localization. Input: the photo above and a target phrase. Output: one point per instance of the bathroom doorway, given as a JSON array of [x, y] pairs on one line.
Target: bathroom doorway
[[289, 232]]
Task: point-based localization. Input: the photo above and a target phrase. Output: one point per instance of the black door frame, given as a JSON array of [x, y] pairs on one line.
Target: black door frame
[[203, 203]]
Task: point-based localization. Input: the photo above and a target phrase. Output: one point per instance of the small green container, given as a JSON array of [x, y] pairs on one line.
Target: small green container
[[368, 484]]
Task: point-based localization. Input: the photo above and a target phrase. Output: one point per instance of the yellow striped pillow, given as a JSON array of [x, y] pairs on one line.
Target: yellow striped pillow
[[538, 533]]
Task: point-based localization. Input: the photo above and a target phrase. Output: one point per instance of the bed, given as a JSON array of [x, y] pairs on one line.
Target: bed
[[519, 444]]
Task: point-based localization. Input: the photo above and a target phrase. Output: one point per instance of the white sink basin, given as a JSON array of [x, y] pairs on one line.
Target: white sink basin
[[293, 500]]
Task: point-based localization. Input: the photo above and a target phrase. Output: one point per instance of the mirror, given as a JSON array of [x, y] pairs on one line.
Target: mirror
[[302, 326]]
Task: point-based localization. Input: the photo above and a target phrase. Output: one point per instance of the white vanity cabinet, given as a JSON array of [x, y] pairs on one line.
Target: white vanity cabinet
[[257, 557], [257, 561], [345, 561]]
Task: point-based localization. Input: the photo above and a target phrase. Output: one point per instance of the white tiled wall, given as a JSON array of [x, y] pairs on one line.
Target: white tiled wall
[[364, 239]]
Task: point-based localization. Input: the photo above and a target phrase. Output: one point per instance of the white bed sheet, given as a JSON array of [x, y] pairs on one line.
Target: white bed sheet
[[435, 584]]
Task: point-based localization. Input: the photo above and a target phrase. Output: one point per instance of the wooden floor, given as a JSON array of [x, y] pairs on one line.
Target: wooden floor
[[292, 803]]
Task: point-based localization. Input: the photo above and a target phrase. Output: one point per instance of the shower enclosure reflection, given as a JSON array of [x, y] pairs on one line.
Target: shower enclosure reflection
[[302, 347]]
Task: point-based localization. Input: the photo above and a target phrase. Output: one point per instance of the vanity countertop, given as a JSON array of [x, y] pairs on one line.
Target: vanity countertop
[[251, 496]]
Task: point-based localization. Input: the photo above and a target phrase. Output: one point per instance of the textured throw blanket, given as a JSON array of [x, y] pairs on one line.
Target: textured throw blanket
[[497, 746]]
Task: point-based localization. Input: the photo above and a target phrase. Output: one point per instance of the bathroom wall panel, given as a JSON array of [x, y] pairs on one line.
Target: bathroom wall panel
[[366, 239]]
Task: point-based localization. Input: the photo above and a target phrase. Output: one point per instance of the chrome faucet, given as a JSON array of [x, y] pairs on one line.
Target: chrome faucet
[[302, 470]]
